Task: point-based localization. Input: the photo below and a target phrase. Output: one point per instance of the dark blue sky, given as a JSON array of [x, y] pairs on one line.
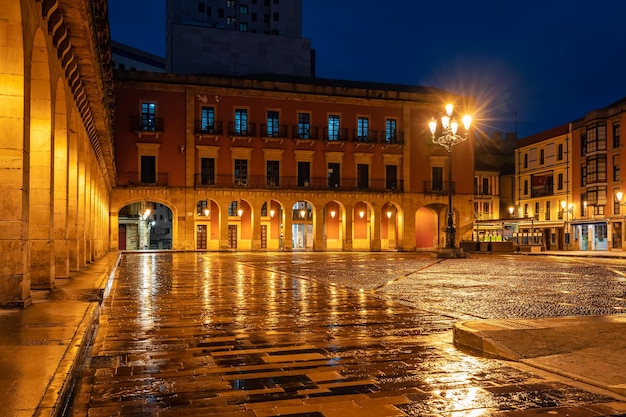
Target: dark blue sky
[[530, 64]]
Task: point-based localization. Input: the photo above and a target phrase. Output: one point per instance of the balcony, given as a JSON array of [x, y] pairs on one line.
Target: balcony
[[438, 187], [237, 130], [304, 133], [262, 182], [393, 138], [133, 179], [152, 126], [364, 137], [274, 132], [202, 130], [340, 135]]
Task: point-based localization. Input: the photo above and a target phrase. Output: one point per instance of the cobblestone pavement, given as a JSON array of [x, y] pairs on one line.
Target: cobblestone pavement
[[317, 334]]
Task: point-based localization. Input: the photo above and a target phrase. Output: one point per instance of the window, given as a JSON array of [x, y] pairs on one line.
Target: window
[[525, 187], [208, 11], [201, 7], [304, 174], [596, 137], [542, 159], [230, 3], [266, 18], [231, 21], [333, 175], [148, 116], [486, 186], [207, 119], [559, 152], [333, 127], [617, 176], [536, 211], [390, 131], [148, 169], [243, 9], [243, 27], [437, 176], [525, 160], [272, 123], [232, 209], [207, 171], [241, 172], [220, 12], [201, 207], [596, 169], [617, 140], [547, 210], [391, 177], [362, 129], [362, 176], [273, 174], [304, 125], [241, 122], [253, 17], [617, 205], [276, 17], [559, 181]]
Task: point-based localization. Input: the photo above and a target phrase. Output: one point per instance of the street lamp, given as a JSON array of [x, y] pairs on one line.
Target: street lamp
[[449, 139]]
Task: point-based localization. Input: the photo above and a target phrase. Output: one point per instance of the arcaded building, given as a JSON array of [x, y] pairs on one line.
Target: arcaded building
[[57, 164], [278, 163]]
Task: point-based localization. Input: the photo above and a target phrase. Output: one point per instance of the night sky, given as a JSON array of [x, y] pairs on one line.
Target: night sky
[[530, 64]]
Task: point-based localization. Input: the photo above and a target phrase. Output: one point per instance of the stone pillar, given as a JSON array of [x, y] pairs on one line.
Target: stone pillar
[[347, 243], [318, 229], [376, 243]]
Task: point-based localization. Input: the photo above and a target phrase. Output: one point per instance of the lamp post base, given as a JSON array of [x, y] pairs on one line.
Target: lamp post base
[[450, 253]]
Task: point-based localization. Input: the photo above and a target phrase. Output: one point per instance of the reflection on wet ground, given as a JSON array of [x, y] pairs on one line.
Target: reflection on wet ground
[[191, 334]]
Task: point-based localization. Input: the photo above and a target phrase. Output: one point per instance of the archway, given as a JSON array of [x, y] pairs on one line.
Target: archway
[[272, 225], [302, 226], [362, 220], [389, 230], [145, 225], [425, 229], [207, 225], [334, 231]]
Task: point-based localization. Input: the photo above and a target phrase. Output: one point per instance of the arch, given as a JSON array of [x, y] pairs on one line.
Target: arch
[[136, 226], [302, 215], [390, 220], [272, 217], [40, 168], [207, 224], [362, 225], [334, 225], [426, 228]]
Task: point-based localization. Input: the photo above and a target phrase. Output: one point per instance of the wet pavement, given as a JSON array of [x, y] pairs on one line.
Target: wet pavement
[[318, 334]]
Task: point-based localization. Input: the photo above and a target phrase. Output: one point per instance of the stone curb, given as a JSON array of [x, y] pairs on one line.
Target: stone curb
[[59, 391]]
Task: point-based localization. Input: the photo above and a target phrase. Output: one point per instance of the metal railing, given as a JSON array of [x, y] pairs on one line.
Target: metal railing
[[295, 183]]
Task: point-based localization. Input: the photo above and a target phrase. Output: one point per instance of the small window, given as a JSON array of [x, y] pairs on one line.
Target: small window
[[276, 17], [148, 116], [243, 9], [201, 7], [333, 127], [231, 21], [243, 27]]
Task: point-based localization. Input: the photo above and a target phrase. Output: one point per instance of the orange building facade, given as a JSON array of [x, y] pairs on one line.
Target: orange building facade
[[597, 158], [251, 164]]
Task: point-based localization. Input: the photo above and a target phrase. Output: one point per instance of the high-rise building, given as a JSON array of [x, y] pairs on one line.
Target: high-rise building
[[232, 37]]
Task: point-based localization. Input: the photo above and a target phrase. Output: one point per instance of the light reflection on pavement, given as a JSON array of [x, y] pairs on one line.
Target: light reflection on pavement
[[317, 334]]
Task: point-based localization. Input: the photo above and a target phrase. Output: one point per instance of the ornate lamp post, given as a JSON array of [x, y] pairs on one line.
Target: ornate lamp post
[[448, 139]]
